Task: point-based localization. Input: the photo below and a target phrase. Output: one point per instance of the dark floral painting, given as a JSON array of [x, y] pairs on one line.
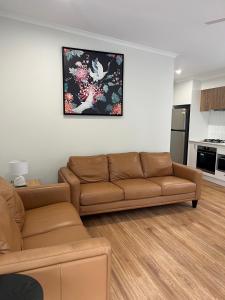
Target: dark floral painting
[[92, 82]]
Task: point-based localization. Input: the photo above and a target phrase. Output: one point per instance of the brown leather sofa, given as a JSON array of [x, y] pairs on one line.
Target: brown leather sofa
[[43, 236], [112, 182]]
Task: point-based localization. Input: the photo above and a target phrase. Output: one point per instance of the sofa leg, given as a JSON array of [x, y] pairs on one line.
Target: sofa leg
[[194, 203]]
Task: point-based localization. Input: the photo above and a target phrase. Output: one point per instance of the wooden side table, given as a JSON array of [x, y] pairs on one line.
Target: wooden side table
[[31, 183]]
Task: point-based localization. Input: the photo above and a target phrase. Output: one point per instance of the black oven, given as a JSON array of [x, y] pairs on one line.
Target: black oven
[[206, 159], [221, 162]]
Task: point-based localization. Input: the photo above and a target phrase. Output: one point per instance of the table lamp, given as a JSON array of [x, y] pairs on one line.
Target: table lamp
[[18, 168]]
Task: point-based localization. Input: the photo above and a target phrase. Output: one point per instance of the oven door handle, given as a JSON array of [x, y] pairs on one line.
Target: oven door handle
[[207, 153]]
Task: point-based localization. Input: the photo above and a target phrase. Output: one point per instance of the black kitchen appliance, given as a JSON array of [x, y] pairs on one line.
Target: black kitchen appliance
[[206, 159], [180, 133], [216, 141], [221, 162]]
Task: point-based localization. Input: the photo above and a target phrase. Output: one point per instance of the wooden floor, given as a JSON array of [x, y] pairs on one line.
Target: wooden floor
[[167, 252]]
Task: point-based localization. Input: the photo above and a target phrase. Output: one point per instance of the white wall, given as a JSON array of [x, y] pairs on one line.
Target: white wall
[[32, 124], [216, 128], [198, 120], [183, 92], [213, 83], [189, 92], [216, 125]]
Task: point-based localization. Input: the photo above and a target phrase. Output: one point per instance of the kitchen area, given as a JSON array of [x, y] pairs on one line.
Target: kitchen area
[[198, 135], [209, 156]]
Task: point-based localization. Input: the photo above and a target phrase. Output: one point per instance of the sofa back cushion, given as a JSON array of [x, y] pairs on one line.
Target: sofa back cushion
[[90, 168], [10, 235], [156, 164], [125, 166], [14, 202]]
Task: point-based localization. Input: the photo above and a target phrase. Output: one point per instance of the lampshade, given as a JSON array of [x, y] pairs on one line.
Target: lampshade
[[18, 167]]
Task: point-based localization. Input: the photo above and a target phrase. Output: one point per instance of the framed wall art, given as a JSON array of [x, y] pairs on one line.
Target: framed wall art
[[92, 82]]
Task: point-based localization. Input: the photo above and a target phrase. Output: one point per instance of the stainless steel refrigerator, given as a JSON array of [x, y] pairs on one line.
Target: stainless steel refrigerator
[[180, 133]]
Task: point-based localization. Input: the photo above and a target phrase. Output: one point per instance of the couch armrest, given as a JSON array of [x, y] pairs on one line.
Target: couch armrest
[[190, 174], [81, 268], [43, 195], [66, 175]]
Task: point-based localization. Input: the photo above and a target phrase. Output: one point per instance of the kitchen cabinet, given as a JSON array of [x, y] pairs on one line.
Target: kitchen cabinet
[[204, 105], [219, 176], [192, 155], [213, 99], [220, 99]]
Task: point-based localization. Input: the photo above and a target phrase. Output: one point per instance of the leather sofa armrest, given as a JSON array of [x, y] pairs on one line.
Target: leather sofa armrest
[[81, 268], [190, 174], [38, 196], [25, 260], [66, 175]]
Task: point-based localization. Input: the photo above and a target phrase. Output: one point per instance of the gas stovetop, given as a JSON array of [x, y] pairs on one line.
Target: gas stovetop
[[216, 141]]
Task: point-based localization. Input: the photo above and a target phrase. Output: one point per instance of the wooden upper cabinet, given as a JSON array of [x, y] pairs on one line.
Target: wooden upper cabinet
[[212, 99], [220, 100], [204, 105]]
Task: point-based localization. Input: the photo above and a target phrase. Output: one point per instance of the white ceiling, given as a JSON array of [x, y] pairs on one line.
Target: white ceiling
[[174, 25]]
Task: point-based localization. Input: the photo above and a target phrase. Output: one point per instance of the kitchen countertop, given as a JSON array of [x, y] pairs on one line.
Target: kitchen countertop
[[207, 143]]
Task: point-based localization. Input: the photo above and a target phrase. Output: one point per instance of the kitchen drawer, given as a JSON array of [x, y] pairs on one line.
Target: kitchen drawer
[[220, 175], [221, 150]]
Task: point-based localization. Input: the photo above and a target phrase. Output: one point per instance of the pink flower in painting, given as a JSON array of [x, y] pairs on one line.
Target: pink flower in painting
[[78, 64], [81, 74], [68, 97], [93, 89], [117, 109], [68, 107], [98, 93]]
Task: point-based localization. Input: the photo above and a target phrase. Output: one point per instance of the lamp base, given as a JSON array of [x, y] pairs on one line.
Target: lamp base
[[19, 181]]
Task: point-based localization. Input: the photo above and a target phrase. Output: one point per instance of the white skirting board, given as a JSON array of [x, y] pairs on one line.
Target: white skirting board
[[214, 180]]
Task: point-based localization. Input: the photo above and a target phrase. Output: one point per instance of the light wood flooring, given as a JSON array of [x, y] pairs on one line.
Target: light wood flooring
[[167, 252]]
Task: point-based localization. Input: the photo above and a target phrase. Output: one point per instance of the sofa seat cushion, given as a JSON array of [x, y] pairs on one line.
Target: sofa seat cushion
[[172, 185], [55, 237], [138, 188], [125, 166], [50, 217], [100, 192]]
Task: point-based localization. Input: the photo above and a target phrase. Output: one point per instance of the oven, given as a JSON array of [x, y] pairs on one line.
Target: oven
[[221, 162], [206, 159]]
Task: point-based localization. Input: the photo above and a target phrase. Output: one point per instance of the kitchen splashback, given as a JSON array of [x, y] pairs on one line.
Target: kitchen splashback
[[216, 127]]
